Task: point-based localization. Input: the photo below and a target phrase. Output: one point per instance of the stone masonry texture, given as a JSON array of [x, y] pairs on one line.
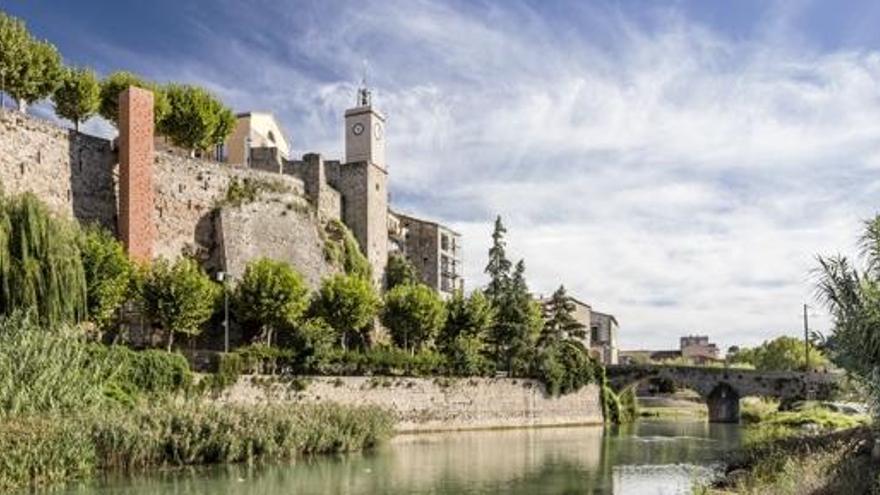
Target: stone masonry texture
[[136, 224], [433, 404]]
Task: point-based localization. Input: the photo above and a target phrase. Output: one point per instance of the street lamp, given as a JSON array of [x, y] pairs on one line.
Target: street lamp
[[221, 277]]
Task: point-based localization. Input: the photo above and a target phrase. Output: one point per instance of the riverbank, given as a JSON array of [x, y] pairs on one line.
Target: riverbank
[[44, 450], [834, 462]]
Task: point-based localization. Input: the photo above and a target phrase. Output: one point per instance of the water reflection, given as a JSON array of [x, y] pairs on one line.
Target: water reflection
[[645, 458]]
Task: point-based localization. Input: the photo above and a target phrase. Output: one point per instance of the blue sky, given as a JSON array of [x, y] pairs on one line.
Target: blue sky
[[677, 164]]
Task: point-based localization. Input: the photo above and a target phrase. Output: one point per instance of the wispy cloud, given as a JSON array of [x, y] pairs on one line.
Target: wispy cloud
[[670, 173]]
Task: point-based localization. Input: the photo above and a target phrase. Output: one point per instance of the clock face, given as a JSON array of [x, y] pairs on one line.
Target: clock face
[[377, 130], [357, 129]]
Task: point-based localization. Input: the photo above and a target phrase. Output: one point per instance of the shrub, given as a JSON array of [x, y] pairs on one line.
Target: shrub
[[348, 303], [108, 273], [566, 367], [179, 298], [342, 249], [414, 314], [78, 96], [248, 190]]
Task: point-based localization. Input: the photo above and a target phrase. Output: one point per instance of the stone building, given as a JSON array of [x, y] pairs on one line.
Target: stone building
[[433, 249], [601, 330], [603, 336], [698, 349], [257, 140]]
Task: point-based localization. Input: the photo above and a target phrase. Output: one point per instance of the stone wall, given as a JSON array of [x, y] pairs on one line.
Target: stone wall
[[283, 229], [75, 174], [426, 404]]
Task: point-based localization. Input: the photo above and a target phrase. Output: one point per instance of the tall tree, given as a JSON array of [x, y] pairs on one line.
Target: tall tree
[[463, 338], [108, 273], [559, 321], [517, 325], [14, 44], [119, 81], [78, 96], [499, 266], [414, 314], [348, 303], [178, 298], [781, 354], [30, 69], [399, 272], [196, 120], [271, 295], [41, 269]]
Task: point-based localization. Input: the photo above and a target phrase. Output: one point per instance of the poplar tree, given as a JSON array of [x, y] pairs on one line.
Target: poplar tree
[[559, 321], [78, 96]]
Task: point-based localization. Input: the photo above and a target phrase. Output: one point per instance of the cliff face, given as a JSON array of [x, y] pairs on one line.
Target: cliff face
[[224, 215]]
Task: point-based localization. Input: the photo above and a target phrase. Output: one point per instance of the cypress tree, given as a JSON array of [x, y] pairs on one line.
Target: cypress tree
[[499, 266], [559, 321]]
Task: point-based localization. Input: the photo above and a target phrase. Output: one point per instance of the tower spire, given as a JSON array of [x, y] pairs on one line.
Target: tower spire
[[364, 95]]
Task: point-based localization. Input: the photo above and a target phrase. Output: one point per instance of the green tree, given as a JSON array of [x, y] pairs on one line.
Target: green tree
[[78, 96], [399, 272], [565, 366], [30, 69], [271, 295], [196, 120], [108, 274], [348, 303], [179, 297], [499, 266], [414, 314], [119, 81], [517, 325], [41, 269], [471, 316], [780, 354], [313, 341], [559, 321], [14, 45]]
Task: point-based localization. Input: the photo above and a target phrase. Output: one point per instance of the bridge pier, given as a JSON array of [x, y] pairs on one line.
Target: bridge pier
[[723, 404]]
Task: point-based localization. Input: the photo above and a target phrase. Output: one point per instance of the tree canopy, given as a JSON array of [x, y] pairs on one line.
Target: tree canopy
[[179, 297], [780, 354], [119, 81], [78, 96], [399, 271], [348, 303], [196, 120], [414, 315], [272, 295], [108, 274], [30, 69], [559, 321]]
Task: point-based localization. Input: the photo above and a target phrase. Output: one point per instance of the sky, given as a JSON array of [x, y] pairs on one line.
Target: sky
[[678, 164]]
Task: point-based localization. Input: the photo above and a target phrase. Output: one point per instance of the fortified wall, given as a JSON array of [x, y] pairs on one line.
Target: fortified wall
[[78, 176], [433, 404]]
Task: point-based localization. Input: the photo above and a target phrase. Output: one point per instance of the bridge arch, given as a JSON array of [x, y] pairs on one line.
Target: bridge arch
[[722, 388]]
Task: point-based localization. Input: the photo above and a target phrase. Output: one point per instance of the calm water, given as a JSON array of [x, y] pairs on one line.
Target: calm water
[[650, 457]]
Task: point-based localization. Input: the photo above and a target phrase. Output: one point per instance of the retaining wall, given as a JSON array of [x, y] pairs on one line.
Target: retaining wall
[[433, 404]]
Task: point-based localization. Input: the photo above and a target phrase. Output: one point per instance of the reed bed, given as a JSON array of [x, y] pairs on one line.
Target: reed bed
[[43, 450]]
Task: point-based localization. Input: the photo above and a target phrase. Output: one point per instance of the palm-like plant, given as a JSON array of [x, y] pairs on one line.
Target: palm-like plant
[[852, 295]]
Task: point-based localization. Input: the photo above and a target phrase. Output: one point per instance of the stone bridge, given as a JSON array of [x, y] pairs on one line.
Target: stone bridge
[[722, 388]]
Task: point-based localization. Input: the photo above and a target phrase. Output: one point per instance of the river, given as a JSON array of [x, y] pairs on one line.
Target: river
[[649, 457]]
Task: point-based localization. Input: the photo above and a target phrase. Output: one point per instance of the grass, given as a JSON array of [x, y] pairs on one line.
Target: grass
[[778, 463], [765, 412], [36, 451]]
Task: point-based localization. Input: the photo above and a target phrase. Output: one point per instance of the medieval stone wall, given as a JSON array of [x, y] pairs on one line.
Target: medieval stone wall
[[426, 404], [75, 174]]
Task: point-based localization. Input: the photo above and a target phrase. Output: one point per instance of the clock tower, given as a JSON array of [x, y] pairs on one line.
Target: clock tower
[[363, 182], [365, 132]]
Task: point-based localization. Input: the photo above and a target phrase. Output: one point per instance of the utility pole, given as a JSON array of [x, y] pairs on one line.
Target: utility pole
[[806, 341]]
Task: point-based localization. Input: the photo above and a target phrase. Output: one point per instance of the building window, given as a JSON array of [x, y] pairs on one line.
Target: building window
[[271, 137], [444, 242]]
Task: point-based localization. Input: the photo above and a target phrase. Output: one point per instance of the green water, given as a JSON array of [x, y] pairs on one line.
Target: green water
[[650, 457]]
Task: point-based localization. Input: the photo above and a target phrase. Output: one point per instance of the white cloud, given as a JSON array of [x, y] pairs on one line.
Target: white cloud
[[673, 176]]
